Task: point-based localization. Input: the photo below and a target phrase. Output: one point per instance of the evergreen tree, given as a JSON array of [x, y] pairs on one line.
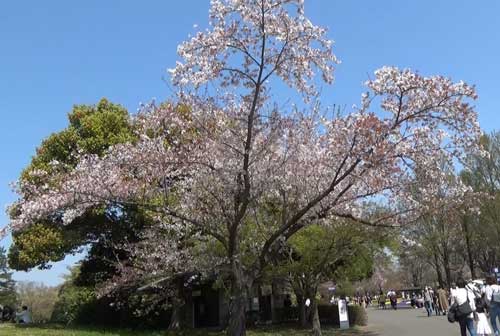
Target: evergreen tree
[[8, 295]]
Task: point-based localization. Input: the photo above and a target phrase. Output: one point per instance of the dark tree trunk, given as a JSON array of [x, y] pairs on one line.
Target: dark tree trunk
[[177, 305], [316, 325], [446, 265], [274, 317], [300, 293], [301, 302], [175, 319], [470, 257], [237, 314], [438, 271], [237, 306]]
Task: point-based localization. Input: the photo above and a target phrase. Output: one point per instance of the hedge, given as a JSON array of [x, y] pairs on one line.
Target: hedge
[[328, 314]]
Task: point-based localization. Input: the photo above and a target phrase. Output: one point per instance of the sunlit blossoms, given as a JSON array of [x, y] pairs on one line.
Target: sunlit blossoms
[[249, 41], [226, 165]]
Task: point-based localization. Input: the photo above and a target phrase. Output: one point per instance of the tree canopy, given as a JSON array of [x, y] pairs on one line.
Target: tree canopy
[[92, 129]]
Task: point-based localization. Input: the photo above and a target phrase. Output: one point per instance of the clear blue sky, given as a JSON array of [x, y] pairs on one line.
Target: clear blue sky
[[54, 54]]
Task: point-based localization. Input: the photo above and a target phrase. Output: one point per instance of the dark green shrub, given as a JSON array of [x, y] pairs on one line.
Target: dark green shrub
[[79, 306], [357, 315], [73, 303], [329, 314]]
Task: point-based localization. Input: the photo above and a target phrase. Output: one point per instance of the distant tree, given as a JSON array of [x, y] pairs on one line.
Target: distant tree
[[8, 295], [482, 232], [414, 265], [39, 298]]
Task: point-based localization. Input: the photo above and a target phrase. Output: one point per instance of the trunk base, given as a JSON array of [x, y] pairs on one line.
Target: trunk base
[[316, 325], [237, 320]]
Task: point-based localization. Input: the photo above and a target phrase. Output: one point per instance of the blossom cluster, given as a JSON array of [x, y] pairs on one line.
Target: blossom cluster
[[249, 41]]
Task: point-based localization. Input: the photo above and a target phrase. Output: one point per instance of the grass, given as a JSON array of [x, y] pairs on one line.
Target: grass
[[57, 330]]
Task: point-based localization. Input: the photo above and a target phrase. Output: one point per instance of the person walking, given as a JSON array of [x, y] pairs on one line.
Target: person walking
[[492, 298], [443, 300], [483, 327], [435, 303], [393, 299], [381, 300], [413, 301], [428, 301], [461, 298]]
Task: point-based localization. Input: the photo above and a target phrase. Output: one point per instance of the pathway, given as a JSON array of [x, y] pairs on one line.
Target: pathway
[[408, 322]]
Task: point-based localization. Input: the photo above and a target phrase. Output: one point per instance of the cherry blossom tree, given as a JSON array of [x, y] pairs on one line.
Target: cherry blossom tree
[[244, 174]]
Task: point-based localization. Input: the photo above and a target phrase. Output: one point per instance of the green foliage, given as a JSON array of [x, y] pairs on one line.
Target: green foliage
[[37, 245], [72, 303], [341, 251], [101, 126], [78, 304], [8, 295], [483, 230], [72, 300], [345, 289], [57, 147], [92, 130], [39, 298]]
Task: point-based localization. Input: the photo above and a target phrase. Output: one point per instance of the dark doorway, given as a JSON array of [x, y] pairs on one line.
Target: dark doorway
[[265, 308], [206, 308]]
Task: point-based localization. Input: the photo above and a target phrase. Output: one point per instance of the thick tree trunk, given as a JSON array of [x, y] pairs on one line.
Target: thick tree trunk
[[446, 265], [301, 302], [298, 288], [175, 319], [316, 325], [274, 317], [237, 315], [237, 306], [470, 257], [438, 271], [177, 305]]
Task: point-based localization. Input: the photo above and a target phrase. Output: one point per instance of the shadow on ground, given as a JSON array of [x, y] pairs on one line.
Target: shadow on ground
[[358, 332]]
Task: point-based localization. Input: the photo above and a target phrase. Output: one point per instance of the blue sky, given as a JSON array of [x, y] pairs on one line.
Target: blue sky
[[54, 54]]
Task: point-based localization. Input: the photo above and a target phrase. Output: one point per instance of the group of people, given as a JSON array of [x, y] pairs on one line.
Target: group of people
[[393, 299], [436, 301], [479, 301], [472, 305], [363, 300]]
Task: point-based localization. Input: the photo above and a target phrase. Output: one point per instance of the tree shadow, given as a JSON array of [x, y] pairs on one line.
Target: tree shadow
[[358, 333]]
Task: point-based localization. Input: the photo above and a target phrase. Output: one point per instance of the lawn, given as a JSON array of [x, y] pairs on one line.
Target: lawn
[[55, 330]]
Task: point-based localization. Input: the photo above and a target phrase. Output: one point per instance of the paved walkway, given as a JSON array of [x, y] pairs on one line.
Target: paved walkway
[[408, 322]]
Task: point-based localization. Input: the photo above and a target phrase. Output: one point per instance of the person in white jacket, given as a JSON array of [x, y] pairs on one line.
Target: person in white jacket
[[460, 296], [24, 316]]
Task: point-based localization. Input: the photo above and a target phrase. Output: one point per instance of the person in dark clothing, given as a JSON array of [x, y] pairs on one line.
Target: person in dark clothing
[[435, 303]]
